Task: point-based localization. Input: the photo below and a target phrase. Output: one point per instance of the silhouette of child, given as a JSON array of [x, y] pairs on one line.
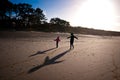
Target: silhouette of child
[[57, 41], [72, 40]]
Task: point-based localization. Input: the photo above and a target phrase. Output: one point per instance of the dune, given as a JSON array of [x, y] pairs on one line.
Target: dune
[[33, 56]]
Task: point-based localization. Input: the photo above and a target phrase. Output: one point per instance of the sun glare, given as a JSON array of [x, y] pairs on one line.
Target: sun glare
[[98, 14]]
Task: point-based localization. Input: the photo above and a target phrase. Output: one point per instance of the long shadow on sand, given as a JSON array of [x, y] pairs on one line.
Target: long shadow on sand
[[49, 61], [41, 52]]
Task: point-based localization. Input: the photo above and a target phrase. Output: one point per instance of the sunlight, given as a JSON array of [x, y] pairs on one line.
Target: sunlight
[[98, 14]]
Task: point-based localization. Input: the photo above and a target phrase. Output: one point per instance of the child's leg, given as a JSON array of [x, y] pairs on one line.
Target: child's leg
[[71, 45], [56, 44]]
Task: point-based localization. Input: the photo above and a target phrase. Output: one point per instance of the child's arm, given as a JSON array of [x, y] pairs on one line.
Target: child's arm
[[68, 37], [54, 39], [75, 37]]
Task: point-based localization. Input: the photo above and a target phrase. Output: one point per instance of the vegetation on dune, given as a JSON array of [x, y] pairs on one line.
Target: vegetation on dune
[[23, 17]]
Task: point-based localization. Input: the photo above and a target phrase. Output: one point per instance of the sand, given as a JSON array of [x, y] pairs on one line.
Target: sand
[[33, 56]]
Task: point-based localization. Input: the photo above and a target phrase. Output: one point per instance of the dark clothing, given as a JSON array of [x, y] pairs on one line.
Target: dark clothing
[[56, 44], [72, 40], [57, 41]]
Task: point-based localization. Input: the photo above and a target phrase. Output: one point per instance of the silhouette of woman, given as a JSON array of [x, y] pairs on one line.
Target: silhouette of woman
[[72, 40], [57, 41]]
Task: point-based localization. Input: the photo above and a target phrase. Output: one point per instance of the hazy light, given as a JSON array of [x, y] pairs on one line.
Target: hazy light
[[99, 14]]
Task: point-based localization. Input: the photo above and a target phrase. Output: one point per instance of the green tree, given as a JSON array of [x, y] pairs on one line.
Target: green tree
[[39, 16], [23, 10], [9, 9], [15, 10], [5, 8], [59, 21]]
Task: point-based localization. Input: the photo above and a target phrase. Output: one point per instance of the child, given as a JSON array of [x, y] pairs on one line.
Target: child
[[57, 41], [72, 40]]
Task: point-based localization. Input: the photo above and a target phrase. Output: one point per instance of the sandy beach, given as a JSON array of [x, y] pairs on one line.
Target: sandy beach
[[33, 56]]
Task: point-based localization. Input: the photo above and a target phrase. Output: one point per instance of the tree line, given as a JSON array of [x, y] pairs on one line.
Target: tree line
[[23, 16]]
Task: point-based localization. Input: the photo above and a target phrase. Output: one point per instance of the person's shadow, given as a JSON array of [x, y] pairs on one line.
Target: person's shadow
[[49, 61], [42, 52]]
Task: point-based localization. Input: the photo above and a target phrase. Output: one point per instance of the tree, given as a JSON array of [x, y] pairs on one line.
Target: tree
[[59, 21], [5, 7], [39, 17], [9, 9], [15, 10], [23, 10]]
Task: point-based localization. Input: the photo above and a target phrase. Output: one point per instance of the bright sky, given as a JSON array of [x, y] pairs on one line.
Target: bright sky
[[97, 14]]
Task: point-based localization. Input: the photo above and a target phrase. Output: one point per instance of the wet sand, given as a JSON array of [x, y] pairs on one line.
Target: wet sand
[[33, 56]]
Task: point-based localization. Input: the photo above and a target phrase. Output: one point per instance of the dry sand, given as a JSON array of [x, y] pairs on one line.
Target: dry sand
[[33, 56]]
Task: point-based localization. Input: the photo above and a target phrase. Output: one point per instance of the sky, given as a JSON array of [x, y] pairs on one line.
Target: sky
[[97, 14]]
